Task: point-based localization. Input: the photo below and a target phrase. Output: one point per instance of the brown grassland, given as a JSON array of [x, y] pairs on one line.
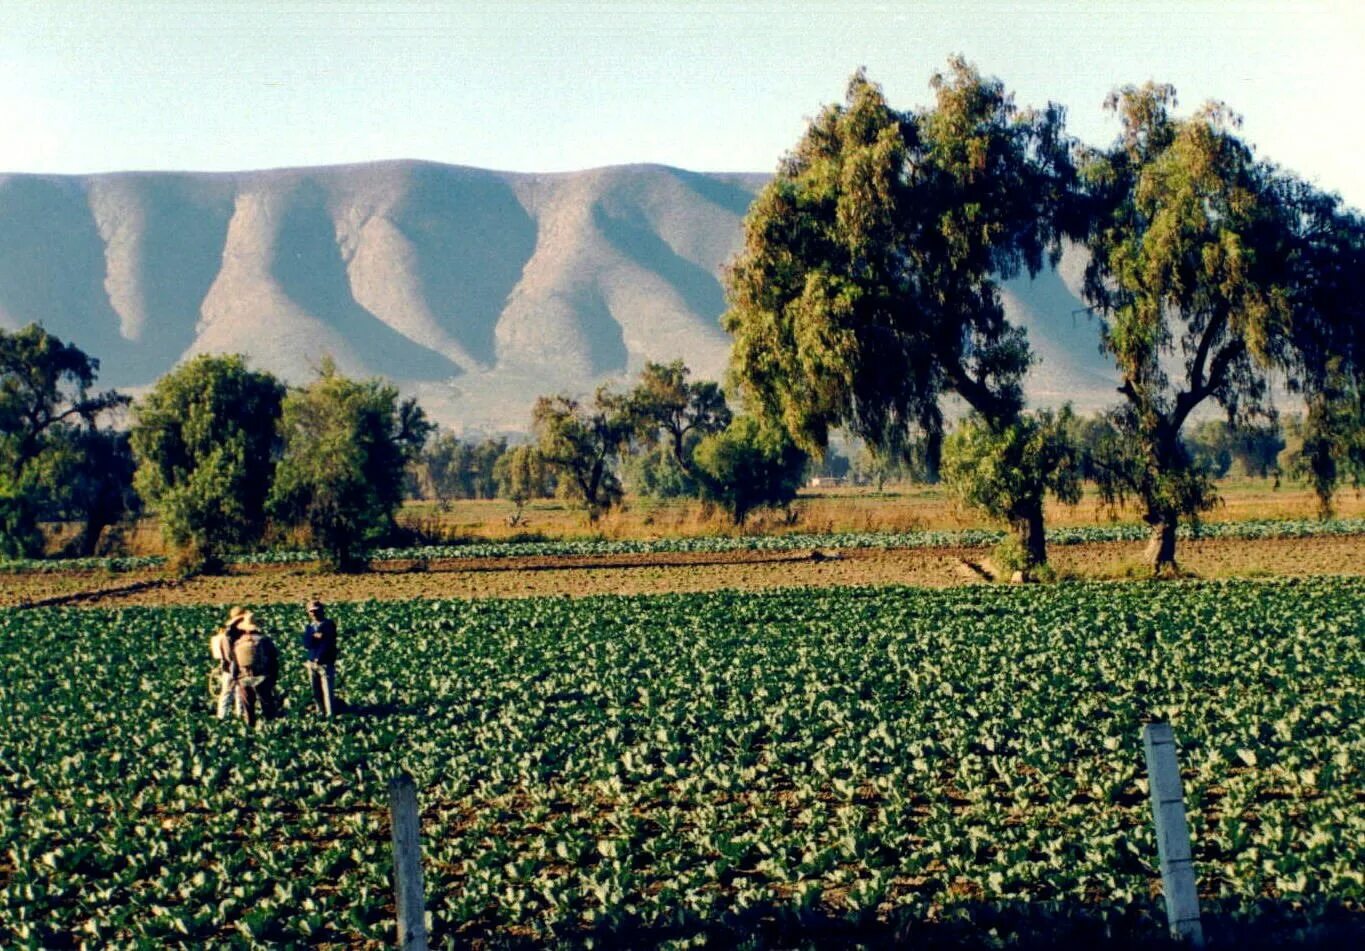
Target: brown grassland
[[905, 508], [901, 508]]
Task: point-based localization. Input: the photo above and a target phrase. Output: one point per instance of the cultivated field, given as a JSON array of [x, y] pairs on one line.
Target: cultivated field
[[658, 736], [869, 764], [654, 573]]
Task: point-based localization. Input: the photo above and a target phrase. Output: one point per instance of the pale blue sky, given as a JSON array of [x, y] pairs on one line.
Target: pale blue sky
[[549, 86]]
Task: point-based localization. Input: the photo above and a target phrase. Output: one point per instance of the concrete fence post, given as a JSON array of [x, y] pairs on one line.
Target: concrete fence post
[[407, 864], [1172, 834]]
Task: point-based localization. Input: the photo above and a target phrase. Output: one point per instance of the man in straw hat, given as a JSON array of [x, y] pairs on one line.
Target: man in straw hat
[[220, 648], [256, 666], [320, 640]]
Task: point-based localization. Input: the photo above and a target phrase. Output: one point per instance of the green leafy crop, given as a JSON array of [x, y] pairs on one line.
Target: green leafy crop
[[972, 538], [963, 764]]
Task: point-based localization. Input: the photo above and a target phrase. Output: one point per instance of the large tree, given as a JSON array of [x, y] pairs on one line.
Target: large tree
[[583, 444], [205, 443], [1209, 272], [95, 469], [747, 465], [670, 410], [346, 445], [45, 398], [1328, 346], [868, 285]]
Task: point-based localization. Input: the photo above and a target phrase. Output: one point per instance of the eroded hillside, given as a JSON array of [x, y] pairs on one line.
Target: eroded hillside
[[475, 290]]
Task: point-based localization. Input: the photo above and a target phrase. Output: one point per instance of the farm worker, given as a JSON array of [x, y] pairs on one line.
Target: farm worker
[[255, 665], [220, 647], [320, 641]]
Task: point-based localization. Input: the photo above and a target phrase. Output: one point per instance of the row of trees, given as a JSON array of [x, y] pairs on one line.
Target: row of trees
[[221, 452], [449, 468], [665, 436], [867, 293], [230, 457], [866, 297], [687, 439]]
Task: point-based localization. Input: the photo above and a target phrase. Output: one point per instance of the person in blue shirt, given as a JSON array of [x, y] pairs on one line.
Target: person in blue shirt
[[320, 641]]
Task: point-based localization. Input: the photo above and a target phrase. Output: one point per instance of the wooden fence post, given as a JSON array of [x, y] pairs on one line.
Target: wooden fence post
[[1172, 834], [407, 864]]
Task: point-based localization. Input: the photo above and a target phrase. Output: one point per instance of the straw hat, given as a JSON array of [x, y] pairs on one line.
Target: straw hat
[[247, 622]]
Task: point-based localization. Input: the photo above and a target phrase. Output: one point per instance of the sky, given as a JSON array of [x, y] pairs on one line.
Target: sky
[[553, 85]]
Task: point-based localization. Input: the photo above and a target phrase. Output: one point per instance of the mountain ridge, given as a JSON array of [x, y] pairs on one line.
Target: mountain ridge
[[475, 290]]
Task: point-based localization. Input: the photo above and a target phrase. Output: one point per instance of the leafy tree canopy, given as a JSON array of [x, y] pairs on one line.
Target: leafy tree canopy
[[205, 443], [522, 474], [1328, 353], [1210, 269], [44, 399], [583, 444], [998, 469], [668, 409], [95, 468], [346, 444], [451, 468], [868, 285], [749, 465]]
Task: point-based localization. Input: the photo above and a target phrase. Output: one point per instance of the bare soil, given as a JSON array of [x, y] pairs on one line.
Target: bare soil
[[577, 576]]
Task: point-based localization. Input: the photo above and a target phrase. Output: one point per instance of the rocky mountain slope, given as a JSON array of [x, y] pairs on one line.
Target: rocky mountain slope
[[475, 290]]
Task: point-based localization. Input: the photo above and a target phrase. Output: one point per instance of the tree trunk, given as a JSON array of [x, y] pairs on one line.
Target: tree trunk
[[1160, 552], [933, 455], [1028, 528], [94, 527]]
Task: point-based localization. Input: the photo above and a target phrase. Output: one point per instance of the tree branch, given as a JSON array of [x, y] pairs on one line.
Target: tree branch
[[978, 395], [1203, 389]]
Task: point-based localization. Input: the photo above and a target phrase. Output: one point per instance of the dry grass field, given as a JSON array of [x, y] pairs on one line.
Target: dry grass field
[[898, 509], [901, 508]]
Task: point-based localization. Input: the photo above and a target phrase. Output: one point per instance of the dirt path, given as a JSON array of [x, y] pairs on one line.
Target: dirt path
[[639, 574]]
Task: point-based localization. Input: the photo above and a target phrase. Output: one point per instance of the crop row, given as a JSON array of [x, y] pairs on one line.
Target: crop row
[[710, 544], [960, 765]]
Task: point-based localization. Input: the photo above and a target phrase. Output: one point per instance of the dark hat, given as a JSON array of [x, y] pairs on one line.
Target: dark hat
[[314, 606]]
